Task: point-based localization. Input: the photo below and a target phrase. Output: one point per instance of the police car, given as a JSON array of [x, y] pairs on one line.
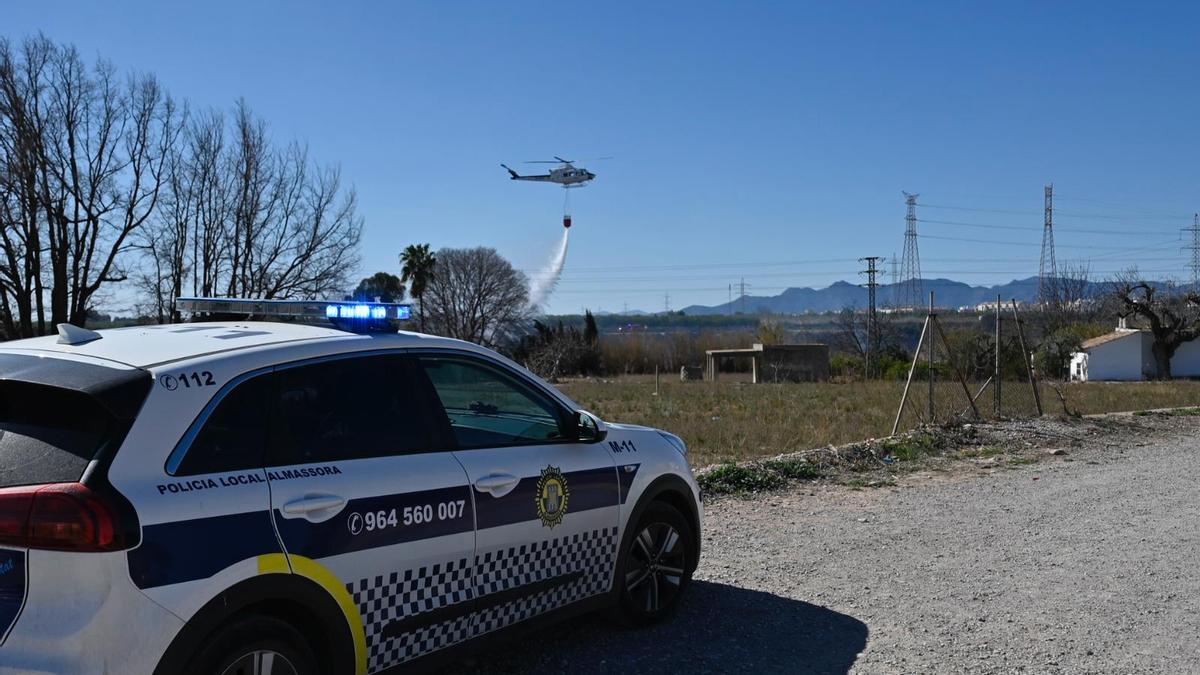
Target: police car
[[287, 498]]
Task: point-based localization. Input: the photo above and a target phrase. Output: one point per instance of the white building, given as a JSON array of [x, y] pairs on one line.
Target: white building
[[1125, 354]]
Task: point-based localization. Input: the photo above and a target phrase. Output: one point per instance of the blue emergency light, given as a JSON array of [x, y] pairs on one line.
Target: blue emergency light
[[350, 315], [368, 310]]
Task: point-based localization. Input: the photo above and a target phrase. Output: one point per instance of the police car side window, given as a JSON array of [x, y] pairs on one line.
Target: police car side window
[[234, 436], [347, 409], [488, 407]]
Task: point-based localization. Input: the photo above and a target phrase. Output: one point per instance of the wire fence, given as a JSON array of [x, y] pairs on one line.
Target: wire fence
[[983, 372]]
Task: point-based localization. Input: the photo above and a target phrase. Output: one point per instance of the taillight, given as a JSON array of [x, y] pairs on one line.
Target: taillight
[[60, 516]]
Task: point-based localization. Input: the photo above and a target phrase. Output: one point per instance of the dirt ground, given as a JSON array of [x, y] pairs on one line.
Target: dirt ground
[[1077, 555]]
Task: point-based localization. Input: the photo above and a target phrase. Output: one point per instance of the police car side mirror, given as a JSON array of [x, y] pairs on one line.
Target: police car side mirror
[[589, 428]]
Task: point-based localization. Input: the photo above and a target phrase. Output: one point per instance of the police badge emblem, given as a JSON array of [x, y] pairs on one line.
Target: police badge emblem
[[552, 496]]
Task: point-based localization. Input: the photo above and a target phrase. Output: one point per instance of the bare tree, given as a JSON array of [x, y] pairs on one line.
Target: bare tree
[[476, 295], [851, 332], [1074, 300], [1171, 314], [1069, 316], [103, 156], [82, 157], [22, 220], [245, 219], [852, 335]]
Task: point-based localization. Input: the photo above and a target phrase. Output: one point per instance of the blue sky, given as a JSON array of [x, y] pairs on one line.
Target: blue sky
[[769, 141]]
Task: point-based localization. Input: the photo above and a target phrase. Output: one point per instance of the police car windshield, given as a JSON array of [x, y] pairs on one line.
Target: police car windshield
[[48, 434]]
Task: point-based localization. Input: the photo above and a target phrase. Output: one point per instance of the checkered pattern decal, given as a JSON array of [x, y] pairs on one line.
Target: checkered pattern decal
[[382, 600], [592, 553]]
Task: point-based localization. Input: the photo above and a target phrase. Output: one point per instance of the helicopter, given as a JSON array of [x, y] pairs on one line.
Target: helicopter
[[565, 174]]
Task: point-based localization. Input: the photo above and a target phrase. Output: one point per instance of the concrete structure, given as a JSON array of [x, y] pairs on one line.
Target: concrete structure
[[1125, 355], [776, 363]]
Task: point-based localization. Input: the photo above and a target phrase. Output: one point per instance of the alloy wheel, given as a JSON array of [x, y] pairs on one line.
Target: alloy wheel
[[656, 567], [261, 662]]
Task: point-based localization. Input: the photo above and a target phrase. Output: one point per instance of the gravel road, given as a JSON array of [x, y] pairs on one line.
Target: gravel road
[[1083, 563]]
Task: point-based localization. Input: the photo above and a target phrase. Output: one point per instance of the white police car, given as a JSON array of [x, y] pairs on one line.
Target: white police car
[[264, 497]]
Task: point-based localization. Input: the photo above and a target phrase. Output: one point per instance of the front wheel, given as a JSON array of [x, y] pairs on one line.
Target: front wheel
[[656, 565], [255, 645]]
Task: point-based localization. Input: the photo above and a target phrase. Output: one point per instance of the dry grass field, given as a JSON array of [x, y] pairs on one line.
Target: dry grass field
[[734, 420]]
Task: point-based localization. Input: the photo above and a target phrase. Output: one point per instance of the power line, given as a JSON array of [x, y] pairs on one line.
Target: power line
[[1023, 243], [1126, 206], [600, 284], [974, 209], [1012, 274], [1121, 250], [1030, 228], [1126, 252], [1064, 214], [705, 266]]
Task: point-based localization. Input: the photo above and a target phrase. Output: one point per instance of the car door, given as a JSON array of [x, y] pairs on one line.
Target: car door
[[368, 506], [546, 506]]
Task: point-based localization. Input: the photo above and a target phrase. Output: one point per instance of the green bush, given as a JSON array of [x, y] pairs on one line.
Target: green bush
[[792, 469], [910, 448], [733, 478], [845, 365], [770, 474]]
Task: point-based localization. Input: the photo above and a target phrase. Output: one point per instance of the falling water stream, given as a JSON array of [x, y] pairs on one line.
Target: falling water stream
[[543, 282]]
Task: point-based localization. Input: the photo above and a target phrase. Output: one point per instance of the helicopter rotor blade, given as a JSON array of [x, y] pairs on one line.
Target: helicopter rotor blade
[[560, 160]]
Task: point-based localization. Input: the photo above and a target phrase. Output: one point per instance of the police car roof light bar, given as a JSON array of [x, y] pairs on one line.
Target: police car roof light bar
[[337, 311]]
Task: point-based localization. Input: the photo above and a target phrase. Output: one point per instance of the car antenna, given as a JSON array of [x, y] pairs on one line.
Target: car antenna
[[74, 335]]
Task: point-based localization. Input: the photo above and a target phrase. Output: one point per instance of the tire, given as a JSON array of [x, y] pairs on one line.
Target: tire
[[255, 645], [655, 566]]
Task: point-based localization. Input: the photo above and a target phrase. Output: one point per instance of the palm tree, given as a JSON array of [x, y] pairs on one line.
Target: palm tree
[[417, 263]]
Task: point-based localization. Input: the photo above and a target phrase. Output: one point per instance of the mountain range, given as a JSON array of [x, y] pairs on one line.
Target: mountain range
[[842, 294]]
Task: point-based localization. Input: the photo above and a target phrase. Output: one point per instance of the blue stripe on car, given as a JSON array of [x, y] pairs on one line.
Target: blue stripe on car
[[187, 550], [12, 588]]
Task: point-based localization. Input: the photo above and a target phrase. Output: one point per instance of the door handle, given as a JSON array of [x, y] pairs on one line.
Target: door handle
[[498, 484], [313, 504]]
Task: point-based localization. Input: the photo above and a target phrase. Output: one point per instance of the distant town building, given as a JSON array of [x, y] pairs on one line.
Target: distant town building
[[990, 306]]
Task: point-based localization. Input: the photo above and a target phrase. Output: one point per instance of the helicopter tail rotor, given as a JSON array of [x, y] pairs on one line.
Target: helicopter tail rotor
[[511, 173]]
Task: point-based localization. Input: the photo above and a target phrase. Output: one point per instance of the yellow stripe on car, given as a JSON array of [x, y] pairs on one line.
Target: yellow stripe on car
[[277, 563]]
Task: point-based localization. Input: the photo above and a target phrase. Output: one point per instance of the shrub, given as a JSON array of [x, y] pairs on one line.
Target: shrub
[[733, 478], [792, 469], [768, 474]]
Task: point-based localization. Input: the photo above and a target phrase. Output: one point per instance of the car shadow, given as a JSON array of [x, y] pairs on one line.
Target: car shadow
[[719, 628]]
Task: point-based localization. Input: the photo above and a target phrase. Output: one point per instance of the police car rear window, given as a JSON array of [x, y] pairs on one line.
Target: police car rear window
[[234, 436], [48, 434]]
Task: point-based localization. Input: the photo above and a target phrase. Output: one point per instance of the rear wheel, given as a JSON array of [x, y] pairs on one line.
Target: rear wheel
[[656, 565], [255, 645]]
